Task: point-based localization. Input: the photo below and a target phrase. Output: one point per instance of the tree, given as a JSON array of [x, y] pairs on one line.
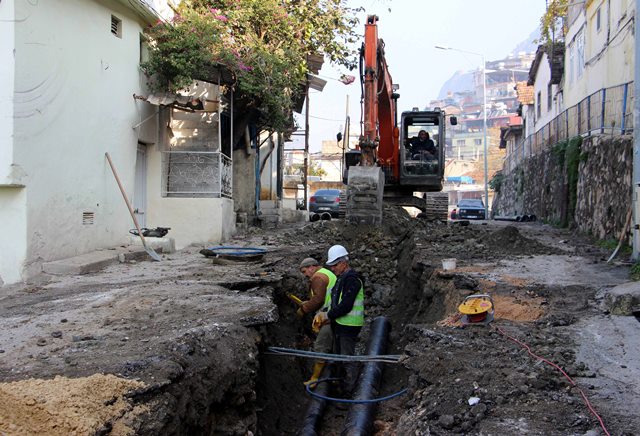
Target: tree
[[554, 19], [264, 43]]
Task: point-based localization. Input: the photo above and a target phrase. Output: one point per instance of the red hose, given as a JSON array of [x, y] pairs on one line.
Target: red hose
[[584, 397]]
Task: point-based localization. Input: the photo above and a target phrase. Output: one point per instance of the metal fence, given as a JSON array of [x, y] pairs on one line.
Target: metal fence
[[609, 110], [196, 174]]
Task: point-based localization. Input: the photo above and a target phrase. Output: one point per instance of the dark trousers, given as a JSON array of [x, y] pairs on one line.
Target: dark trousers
[[346, 345]]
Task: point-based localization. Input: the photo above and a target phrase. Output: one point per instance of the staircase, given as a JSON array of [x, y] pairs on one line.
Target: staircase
[[269, 216]]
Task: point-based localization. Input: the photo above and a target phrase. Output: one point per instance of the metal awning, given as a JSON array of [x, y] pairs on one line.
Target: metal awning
[[176, 100], [316, 82]]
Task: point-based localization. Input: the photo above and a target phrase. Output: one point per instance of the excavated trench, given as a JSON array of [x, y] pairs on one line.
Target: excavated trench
[[282, 401], [443, 367]]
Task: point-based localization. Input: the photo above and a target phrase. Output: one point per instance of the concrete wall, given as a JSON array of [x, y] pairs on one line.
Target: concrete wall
[[7, 82], [543, 76], [244, 182], [192, 220], [13, 247], [540, 186], [73, 102], [269, 175]]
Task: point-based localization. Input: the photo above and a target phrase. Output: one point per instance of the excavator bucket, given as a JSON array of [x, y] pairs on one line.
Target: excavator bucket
[[365, 190]]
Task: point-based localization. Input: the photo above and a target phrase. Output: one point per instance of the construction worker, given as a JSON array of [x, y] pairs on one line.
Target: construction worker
[[321, 283], [346, 313]]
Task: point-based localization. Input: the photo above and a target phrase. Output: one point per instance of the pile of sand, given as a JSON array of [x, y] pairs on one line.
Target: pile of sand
[[64, 406]]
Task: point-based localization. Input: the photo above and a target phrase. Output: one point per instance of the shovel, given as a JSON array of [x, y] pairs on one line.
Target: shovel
[[149, 250]]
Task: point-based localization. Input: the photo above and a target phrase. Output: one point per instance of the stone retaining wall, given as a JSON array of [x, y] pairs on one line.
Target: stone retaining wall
[[596, 202]]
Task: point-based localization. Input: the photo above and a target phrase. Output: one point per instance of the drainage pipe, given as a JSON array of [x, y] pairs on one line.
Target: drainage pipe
[[326, 216], [314, 217], [359, 421], [313, 418]]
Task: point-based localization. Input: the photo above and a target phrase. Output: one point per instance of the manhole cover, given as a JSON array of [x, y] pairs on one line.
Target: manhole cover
[[238, 254]]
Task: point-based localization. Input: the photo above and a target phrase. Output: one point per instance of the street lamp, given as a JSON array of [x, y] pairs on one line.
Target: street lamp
[[484, 117]]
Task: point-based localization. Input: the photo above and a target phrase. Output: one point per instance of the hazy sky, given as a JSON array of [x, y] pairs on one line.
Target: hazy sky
[[411, 29]]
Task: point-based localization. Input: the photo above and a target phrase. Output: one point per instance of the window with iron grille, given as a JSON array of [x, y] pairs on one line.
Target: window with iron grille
[[193, 161]]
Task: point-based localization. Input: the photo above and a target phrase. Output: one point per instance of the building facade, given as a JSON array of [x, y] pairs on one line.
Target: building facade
[[65, 101]]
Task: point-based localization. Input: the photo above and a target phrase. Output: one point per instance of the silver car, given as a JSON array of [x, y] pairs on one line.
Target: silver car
[[325, 200]]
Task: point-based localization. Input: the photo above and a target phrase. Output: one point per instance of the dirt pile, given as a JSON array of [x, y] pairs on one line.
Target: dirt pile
[[64, 406], [509, 240], [476, 381]]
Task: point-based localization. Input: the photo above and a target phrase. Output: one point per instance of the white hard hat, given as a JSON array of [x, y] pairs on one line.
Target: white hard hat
[[335, 254]]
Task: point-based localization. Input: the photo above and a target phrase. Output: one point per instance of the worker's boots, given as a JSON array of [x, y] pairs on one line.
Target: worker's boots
[[317, 370]]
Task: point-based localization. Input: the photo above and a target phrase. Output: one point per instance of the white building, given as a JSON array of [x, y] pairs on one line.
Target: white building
[[68, 76], [599, 47]]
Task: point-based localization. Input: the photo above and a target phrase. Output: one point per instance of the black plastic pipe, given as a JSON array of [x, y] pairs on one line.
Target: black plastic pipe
[[326, 216], [359, 420], [313, 418], [314, 217]]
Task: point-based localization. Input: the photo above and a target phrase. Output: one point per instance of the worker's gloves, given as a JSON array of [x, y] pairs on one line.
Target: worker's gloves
[[319, 320]]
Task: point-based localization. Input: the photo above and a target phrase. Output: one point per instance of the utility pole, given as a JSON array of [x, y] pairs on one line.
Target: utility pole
[[306, 147], [636, 138]]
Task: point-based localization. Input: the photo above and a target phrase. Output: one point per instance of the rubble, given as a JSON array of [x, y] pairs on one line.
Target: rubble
[[192, 332]]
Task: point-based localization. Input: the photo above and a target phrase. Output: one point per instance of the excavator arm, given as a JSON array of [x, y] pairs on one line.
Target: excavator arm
[[379, 141], [380, 156]]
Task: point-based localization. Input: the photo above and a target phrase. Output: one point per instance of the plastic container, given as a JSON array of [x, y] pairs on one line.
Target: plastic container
[[448, 264]]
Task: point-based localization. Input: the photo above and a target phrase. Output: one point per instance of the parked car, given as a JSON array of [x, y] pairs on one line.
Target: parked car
[[325, 200], [471, 209]]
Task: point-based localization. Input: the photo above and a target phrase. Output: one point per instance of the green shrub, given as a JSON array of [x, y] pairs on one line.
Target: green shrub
[[634, 273]]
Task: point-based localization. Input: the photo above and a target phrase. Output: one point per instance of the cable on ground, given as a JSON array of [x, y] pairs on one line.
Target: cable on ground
[[584, 397], [390, 358], [311, 385]]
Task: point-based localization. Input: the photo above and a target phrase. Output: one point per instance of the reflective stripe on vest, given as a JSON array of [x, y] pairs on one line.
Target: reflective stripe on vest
[[354, 318], [332, 282]]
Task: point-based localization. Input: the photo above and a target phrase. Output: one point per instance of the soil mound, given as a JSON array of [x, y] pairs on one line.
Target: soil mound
[[64, 406], [509, 240]]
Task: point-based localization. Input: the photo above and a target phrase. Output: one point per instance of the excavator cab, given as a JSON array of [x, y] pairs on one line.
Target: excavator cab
[[422, 170]]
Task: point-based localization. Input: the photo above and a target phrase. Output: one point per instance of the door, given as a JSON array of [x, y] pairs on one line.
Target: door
[[140, 188]]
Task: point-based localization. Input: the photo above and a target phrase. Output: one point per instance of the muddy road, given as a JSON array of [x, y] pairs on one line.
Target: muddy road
[[179, 346]]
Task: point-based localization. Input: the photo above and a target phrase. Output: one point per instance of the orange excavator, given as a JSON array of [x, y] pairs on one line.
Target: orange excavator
[[389, 164]]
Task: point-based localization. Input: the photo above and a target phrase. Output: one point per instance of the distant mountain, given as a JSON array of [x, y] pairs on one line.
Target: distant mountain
[[460, 81], [463, 81], [528, 45]]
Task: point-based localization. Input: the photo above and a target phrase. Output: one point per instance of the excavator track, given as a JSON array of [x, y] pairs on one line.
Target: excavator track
[[437, 206], [342, 207]]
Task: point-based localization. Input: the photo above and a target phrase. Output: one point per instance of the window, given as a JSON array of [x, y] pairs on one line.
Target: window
[[477, 141], [539, 104], [549, 97], [144, 49], [579, 54], [116, 26], [460, 142], [598, 20], [572, 55]]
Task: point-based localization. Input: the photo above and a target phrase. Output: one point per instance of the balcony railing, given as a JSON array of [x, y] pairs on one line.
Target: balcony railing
[[609, 110], [196, 174]]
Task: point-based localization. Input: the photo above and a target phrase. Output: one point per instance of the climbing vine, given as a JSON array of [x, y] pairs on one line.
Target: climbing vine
[[554, 20], [264, 43]]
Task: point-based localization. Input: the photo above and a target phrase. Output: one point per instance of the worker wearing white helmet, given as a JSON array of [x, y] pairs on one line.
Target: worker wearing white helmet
[[346, 313]]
